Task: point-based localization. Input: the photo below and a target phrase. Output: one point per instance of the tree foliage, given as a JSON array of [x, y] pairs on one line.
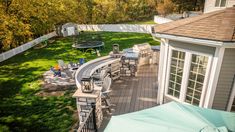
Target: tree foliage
[[23, 20], [188, 5], [165, 7]]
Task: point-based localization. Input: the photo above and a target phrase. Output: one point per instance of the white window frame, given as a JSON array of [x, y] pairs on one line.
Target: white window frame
[[185, 76], [168, 74]]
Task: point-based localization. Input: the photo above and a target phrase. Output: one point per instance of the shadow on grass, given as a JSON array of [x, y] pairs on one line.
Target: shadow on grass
[[16, 80], [7, 90], [37, 114]]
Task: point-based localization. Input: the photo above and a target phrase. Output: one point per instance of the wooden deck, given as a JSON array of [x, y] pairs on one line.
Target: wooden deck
[[131, 94]]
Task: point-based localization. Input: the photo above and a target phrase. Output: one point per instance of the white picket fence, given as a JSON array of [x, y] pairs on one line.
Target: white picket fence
[[161, 20], [24, 47], [137, 28]]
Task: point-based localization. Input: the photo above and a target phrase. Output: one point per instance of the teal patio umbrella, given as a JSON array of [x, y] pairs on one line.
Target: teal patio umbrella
[[173, 117]]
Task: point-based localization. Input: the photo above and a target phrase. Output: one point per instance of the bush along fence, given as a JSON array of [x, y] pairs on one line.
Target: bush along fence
[[137, 28], [8, 54]]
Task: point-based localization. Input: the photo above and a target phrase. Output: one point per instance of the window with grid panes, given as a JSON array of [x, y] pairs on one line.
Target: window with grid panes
[[196, 79], [176, 73]]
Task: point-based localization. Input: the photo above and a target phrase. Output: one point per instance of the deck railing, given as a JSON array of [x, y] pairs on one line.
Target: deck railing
[[89, 124]]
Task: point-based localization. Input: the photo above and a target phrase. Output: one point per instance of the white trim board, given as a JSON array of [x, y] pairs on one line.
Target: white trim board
[[214, 76], [206, 81], [185, 78], [161, 59], [205, 42], [167, 76], [164, 51]]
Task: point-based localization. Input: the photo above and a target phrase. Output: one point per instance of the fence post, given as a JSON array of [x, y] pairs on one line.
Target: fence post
[[94, 116]]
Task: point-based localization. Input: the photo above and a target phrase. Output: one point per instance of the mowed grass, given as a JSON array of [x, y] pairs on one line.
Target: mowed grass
[[141, 22], [21, 78]]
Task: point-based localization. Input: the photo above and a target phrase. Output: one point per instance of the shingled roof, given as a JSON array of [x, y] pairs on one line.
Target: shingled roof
[[218, 25]]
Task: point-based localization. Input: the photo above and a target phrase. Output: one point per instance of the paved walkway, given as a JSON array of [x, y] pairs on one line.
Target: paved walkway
[[131, 94]]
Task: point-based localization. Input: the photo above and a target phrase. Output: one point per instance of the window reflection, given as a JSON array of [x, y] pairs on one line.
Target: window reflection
[[196, 79]]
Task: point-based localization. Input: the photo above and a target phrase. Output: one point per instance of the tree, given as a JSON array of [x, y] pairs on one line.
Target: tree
[[188, 5], [23, 20], [165, 7]]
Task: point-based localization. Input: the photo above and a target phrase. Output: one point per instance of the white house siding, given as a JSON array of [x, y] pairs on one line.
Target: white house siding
[[224, 85], [231, 3], [210, 5], [190, 47]]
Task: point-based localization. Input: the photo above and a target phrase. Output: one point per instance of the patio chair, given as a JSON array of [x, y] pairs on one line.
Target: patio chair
[[105, 94], [62, 64], [100, 75], [73, 66], [70, 73]]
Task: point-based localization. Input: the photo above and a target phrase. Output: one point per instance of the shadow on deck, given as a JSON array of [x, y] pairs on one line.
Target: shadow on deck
[[131, 94]]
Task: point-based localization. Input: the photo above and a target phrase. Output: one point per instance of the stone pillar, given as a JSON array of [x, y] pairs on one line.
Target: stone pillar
[[129, 67], [84, 102]]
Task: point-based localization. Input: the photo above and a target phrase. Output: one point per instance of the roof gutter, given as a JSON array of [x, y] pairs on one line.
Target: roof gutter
[[210, 43]]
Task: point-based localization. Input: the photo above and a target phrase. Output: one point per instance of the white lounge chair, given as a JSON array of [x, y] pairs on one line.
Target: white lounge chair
[[105, 94], [62, 64]]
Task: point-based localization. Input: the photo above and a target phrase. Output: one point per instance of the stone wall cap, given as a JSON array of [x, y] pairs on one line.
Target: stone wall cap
[[80, 94]]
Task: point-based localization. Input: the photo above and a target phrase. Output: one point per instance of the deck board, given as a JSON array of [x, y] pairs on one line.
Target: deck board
[[131, 94]]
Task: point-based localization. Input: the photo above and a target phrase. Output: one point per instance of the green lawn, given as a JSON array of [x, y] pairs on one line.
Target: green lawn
[[141, 22], [21, 76]]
